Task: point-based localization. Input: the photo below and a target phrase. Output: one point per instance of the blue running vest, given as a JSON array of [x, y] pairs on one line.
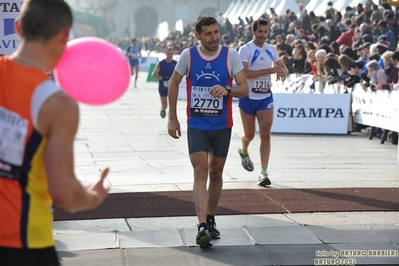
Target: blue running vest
[[203, 111], [165, 70]]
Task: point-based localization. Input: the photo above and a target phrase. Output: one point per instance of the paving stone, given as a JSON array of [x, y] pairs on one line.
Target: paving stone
[[104, 257], [99, 225], [388, 231], [154, 238], [283, 235], [343, 234], [85, 241]]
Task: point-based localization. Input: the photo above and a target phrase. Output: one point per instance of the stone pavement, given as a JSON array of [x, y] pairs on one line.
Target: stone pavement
[[131, 138]]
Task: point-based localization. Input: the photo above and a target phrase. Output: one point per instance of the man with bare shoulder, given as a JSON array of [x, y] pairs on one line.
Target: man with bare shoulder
[[38, 123]]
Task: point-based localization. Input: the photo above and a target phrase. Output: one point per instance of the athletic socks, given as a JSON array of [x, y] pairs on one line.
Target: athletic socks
[[264, 170]]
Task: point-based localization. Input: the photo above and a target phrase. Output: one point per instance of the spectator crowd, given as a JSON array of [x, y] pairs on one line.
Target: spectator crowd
[[357, 46]]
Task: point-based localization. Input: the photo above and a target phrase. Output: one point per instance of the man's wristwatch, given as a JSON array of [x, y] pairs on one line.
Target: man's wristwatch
[[228, 88]]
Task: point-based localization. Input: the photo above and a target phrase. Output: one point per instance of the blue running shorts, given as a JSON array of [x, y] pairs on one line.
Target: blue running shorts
[[133, 62], [250, 107], [163, 92]]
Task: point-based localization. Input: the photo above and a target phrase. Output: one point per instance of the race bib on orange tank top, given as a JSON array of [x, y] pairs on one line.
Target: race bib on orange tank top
[[13, 131]]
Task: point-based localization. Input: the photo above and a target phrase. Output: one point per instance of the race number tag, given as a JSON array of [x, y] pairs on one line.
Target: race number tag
[[261, 84], [203, 103], [166, 83], [13, 131]]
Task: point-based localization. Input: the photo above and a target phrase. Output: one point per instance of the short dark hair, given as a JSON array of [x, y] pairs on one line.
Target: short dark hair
[[374, 57], [43, 19], [382, 23], [311, 45], [353, 26], [204, 20], [367, 38], [395, 55], [260, 21]]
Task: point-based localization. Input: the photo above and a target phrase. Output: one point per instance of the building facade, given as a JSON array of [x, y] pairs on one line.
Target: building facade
[[140, 18]]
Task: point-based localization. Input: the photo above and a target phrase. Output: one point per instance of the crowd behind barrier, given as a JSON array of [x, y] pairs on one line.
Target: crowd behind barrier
[[301, 109], [374, 108]]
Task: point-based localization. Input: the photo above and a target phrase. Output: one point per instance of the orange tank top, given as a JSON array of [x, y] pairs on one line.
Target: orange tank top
[[25, 202]]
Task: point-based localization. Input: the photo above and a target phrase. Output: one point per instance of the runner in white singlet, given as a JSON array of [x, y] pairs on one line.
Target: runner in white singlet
[[260, 60]]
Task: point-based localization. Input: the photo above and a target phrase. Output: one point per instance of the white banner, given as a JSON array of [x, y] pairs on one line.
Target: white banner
[[9, 10], [377, 109], [311, 113], [145, 63]]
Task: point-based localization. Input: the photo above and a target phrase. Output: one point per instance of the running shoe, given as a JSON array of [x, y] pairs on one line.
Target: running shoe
[[203, 237], [163, 113], [264, 180], [215, 234], [206, 245], [366, 130], [246, 162]]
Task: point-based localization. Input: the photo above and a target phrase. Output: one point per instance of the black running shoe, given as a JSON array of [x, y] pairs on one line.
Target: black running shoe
[[206, 245], [215, 234], [203, 237]]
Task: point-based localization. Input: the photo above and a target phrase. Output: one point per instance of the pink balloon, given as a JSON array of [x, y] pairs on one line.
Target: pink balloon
[[93, 71]]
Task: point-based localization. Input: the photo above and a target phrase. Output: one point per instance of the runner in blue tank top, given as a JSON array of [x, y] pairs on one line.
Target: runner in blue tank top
[[134, 54], [209, 69], [162, 72]]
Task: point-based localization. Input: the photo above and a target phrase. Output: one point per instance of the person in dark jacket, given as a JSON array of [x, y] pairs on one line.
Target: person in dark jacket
[[299, 57], [353, 77], [350, 52], [364, 29], [385, 30], [393, 24], [334, 32], [334, 48], [332, 68], [306, 22]]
